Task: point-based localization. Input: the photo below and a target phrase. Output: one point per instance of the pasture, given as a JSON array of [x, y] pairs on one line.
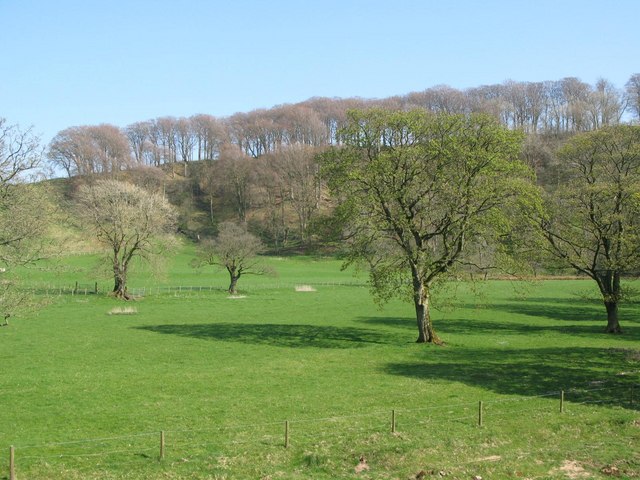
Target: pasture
[[86, 389]]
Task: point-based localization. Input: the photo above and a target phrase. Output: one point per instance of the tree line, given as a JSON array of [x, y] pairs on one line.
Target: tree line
[[552, 107], [261, 166]]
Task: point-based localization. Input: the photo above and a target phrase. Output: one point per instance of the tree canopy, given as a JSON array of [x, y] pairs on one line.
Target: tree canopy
[[418, 189], [593, 222]]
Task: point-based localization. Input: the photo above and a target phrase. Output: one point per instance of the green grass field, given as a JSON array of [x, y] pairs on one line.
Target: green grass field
[[85, 392]]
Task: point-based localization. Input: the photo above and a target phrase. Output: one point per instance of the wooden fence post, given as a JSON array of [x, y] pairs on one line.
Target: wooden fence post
[[393, 421], [561, 401], [162, 445], [12, 463], [286, 434], [480, 413]]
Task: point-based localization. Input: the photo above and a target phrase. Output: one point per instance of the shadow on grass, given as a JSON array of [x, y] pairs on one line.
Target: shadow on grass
[[278, 335], [574, 311], [564, 316], [598, 375], [490, 327]]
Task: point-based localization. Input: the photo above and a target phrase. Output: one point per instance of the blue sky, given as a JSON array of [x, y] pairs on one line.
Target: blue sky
[[84, 62]]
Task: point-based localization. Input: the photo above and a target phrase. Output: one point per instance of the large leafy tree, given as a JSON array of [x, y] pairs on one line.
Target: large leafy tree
[[419, 189], [593, 222], [129, 222]]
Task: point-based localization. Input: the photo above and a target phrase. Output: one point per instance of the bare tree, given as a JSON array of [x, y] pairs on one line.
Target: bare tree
[[185, 139], [139, 135], [606, 105], [210, 134], [236, 250], [236, 173], [297, 167], [272, 193], [86, 150], [25, 212], [632, 91], [129, 222]]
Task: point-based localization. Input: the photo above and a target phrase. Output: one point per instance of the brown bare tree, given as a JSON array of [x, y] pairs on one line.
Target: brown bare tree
[[87, 150], [129, 222], [236, 250], [296, 165]]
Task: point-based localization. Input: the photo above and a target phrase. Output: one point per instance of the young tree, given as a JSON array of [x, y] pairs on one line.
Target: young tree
[[419, 188], [593, 222], [236, 250], [129, 222]]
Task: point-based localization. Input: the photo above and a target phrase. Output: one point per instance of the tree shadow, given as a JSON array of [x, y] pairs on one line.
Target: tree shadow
[[599, 375], [465, 326], [279, 335], [572, 311], [393, 322]]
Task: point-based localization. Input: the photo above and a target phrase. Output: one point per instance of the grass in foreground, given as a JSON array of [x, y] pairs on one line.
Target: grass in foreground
[[86, 393]]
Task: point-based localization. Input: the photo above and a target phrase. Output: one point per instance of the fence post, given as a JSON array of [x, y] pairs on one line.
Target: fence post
[[162, 445], [96, 289], [286, 434], [561, 401], [480, 413], [393, 421], [12, 463], [631, 399]]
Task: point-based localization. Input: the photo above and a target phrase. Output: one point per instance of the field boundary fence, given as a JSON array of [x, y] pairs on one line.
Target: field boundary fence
[[94, 288], [161, 444]]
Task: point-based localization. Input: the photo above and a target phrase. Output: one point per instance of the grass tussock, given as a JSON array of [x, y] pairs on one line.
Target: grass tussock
[[305, 288], [123, 311]]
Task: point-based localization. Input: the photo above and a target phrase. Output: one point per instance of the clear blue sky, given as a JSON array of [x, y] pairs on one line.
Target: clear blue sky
[[82, 62]]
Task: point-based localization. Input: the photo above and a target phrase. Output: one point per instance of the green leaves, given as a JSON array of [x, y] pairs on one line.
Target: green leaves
[[422, 187]]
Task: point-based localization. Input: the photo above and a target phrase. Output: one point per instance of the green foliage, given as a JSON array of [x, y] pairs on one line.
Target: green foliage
[[593, 222], [421, 189]]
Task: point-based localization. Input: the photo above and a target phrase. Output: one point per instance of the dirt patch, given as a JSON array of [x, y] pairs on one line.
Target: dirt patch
[[571, 469], [236, 297], [492, 458]]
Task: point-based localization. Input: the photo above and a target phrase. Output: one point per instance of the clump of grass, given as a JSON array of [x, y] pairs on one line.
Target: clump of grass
[[305, 288], [123, 311]]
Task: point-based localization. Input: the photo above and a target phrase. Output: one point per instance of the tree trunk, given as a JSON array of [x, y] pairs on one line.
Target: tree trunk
[[421, 298], [613, 326], [609, 284], [234, 282], [120, 282]]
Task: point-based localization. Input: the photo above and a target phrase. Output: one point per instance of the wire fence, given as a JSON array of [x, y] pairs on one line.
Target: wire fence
[[139, 448], [94, 288]]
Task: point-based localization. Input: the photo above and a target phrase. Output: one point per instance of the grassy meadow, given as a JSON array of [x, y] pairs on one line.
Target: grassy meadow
[[88, 383]]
